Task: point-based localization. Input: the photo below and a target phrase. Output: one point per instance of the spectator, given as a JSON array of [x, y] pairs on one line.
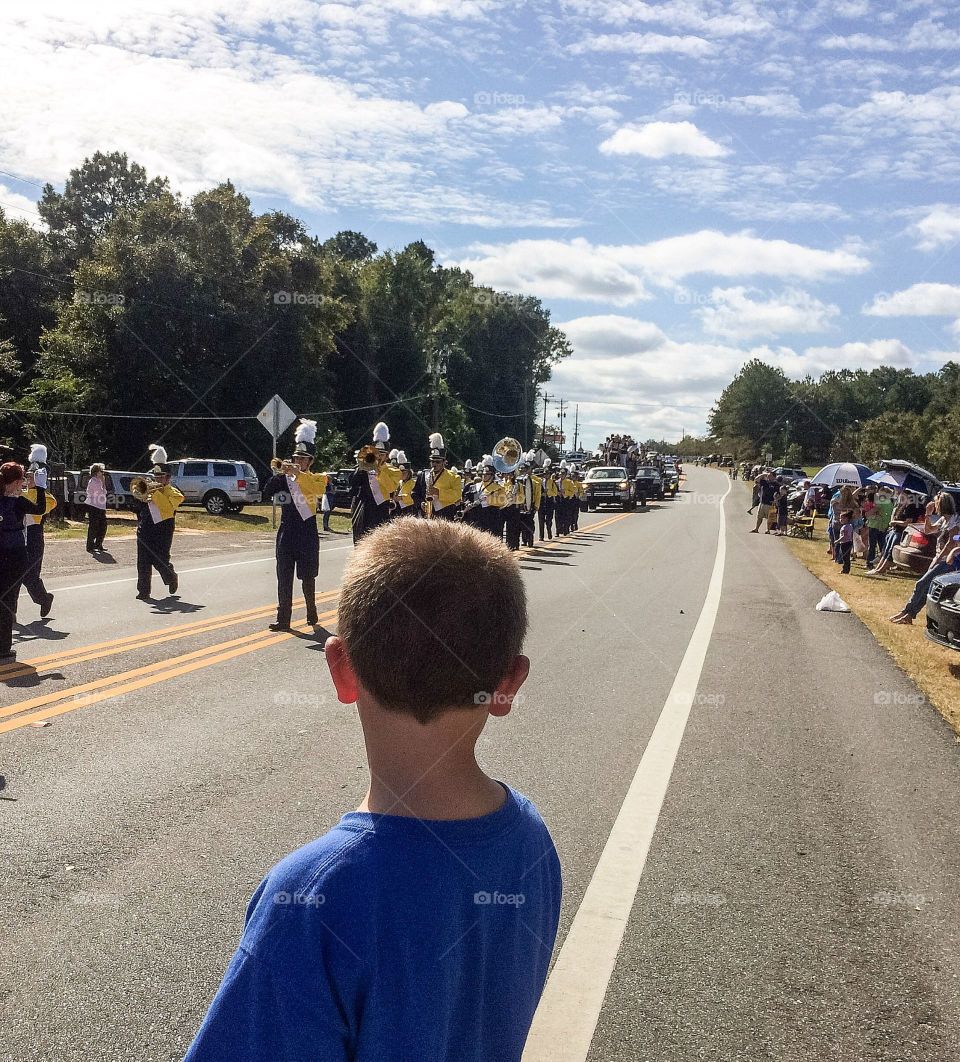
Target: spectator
[[845, 540], [878, 523], [754, 497], [842, 500], [96, 509], [327, 504], [767, 491], [809, 498], [941, 518], [783, 505], [906, 512]]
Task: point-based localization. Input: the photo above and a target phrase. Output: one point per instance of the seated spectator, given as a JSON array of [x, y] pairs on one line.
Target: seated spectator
[[906, 512]]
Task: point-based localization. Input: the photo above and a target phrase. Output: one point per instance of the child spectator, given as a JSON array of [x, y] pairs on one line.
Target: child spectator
[[421, 925], [845, 539]]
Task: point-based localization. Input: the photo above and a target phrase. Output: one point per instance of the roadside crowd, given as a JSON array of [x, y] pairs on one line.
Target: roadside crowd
[[865, 522]]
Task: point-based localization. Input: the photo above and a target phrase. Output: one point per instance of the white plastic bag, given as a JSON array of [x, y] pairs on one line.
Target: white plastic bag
[[832, 602]]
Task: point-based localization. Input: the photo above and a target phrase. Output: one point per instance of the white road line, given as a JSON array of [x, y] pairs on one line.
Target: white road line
[[567, 1017], [186, 571]]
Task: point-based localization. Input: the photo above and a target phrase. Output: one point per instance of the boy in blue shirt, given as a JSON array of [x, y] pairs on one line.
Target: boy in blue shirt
[[420, 928]]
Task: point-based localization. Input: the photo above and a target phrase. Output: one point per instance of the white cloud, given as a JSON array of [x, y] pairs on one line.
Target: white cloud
[[656, 140], [769, 105], [919, 300], [618, 274], [611, 334], [645, 44], [19, 207], [939, 227], [860, 42], [736, 315]]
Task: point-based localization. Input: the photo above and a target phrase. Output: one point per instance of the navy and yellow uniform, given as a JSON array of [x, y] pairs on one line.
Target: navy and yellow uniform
[[492, 497], [13, 557], [32, 578], [406, 506], [156, 522], [299, 495], [445, 492], [511, 512], [566, 500], [528, 517], [548, 504], [372, 504]]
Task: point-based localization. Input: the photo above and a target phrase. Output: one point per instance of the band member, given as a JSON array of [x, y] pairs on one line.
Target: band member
[[96, 501], [300, 493], [548, 499], [578, 492], [406, 506], [439, 490], [156, 501], [14, 506], [32, 577], [490, 499], [373, 484], [471, 498], [532, 497], [566, 492], [511, 510]]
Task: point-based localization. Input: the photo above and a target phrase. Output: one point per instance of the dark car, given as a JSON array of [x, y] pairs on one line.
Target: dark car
[[342, 496], [943, 610], [607, 485], [648, 483]]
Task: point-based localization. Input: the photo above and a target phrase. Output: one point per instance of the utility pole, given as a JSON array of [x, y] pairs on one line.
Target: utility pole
[[438, 367], [543, 430], [576, 424], [560, 440]]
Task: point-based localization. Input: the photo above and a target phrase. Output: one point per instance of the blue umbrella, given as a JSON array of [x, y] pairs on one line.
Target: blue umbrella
[[899, 479], [842, 474]]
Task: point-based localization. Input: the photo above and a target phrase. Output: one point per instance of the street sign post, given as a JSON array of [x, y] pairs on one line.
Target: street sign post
[[276, 416]]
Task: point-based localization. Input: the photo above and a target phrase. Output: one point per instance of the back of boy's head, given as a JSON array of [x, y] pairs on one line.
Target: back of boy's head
[[431, 615]]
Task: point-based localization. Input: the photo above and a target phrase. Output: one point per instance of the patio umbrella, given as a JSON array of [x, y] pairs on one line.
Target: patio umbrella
[[842, 474], [900, 480]]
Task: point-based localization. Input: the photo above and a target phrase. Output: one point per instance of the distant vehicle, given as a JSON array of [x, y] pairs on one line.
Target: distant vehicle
[[607, 485], [915, 550], [943, 610], [671, 478], [342, 494], [648, 483], [794, 475], [219, 486]]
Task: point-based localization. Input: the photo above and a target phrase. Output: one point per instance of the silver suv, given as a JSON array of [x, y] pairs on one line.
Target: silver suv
[[216, 485]]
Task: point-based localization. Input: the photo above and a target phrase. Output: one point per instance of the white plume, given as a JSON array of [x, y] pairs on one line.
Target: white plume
[[381, 433], [436, 441], [38, 454], [306, 431], [468, 465], [392, 456], [401, 457], [158, 455]]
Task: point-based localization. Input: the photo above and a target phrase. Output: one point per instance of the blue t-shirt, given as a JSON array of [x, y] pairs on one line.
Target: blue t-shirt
[[394, 939]]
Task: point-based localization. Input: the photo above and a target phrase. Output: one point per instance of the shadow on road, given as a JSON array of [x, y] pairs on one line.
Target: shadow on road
[[104, 558], [170, 605], [26, 676], [39, 631]]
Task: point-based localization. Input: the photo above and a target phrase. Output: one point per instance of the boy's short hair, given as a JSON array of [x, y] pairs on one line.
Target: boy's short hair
[[431, 615]]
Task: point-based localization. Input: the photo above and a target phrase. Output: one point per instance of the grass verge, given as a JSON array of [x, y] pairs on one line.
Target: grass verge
[[253, 518], [933, 668]]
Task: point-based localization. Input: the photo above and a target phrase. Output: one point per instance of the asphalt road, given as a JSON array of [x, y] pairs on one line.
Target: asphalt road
[[800, 898]]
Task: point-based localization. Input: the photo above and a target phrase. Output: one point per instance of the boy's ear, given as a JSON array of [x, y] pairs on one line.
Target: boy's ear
[[511, 682], [341, 670]]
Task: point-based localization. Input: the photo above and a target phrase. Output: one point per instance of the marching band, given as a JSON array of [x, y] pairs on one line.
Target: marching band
[[504, 494]]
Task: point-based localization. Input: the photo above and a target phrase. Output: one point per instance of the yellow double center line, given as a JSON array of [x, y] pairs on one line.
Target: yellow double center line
[[98, 690]]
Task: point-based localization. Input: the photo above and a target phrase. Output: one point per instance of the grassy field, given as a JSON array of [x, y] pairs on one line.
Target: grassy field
[[191, 518], [934, 669]]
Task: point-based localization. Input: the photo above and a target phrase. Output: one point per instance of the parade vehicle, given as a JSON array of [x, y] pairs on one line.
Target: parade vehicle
[[671, 478], [943, 610], [648, 483], [607, 485], [219, 486]]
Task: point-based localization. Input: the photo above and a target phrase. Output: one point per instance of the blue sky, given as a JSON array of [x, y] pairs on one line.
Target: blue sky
[[685, 185]]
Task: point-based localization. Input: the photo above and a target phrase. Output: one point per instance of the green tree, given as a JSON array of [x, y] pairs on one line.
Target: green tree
[[754, 406]]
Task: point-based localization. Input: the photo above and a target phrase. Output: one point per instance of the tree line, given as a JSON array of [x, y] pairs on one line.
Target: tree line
[[844, 415], [133, 300]]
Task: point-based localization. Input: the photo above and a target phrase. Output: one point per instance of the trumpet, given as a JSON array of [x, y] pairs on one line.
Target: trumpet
[[279, 467], [143, 488]]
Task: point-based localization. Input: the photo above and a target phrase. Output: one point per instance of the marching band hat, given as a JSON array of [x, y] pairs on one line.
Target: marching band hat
[[381, 435], [158, 455], [402, 459], [437, 448], [392, 456], [38, 456], [468, 465], [305, 439]]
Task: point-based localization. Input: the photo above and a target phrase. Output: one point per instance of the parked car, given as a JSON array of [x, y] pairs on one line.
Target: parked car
[[218, 486], [915, 550], [790, 475], [607, 485], [342, 495], [648, 483], [943, 610]]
